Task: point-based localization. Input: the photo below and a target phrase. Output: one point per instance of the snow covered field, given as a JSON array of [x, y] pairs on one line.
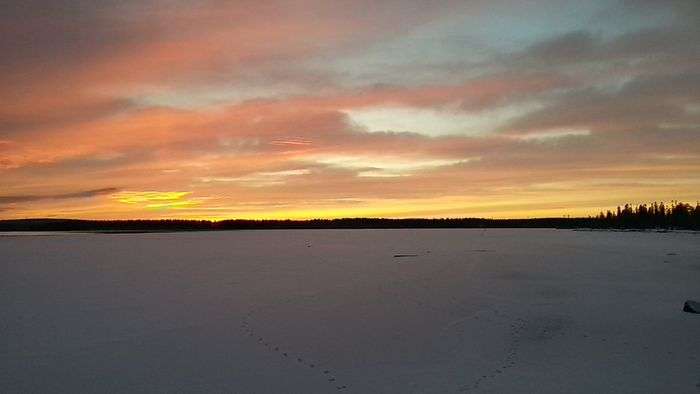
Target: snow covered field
[[319, 311]]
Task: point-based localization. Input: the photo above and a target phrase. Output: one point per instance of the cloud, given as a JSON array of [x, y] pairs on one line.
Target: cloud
[[56, 112], [64, 196], [643, 102], [240, 109], [571, 47]]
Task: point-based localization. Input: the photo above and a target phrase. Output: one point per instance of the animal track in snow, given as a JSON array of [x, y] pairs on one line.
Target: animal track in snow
[[517, 326], [247, 327]]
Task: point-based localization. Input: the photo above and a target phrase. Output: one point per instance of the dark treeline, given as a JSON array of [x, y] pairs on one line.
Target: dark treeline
[[241, 224], [654, 216]]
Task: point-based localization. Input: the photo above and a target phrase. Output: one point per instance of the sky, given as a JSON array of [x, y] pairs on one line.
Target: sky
[[317, 109]]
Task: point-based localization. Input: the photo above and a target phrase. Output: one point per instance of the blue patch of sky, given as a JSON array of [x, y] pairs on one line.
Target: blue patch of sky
[[465, 44]]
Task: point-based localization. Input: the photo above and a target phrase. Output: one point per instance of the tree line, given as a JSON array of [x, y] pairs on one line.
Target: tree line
[[655, 215], [675, 215]]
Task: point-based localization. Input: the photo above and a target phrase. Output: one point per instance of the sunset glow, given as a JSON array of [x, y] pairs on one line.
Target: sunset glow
[[326, 109]]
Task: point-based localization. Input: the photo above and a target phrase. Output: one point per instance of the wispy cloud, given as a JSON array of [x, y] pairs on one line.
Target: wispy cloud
[[63, 196]]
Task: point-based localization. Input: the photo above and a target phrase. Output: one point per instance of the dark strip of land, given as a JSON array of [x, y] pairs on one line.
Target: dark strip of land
[[348, 223]]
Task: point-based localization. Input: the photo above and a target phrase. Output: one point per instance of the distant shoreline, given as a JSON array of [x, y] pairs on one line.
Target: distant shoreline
[[171, 225], [49, 233]]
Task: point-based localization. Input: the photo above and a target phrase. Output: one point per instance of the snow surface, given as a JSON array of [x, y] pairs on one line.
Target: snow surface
[[319, 311]]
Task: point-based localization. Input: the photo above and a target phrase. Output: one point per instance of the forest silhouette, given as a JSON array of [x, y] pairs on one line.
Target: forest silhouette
[[660, 216]]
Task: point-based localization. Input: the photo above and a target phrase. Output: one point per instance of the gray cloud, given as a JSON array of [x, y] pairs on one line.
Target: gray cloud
[[80, 194], [81, 110], [643, 79], [571, 47], [55, 34], [644, 102], [644, 47]]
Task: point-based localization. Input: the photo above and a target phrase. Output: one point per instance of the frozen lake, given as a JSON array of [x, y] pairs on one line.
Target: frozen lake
[[330, 311]]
